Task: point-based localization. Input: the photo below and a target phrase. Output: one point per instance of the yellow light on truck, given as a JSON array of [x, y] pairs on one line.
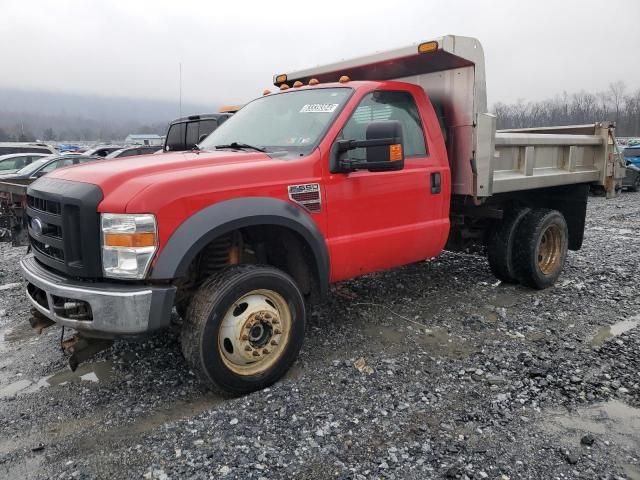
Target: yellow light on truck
[[395, 152], [297, 84], [266, 91], [427, 47], [314, 81], [230, 108], [344, 79], [281, 78], [284, 86], [130, 240]]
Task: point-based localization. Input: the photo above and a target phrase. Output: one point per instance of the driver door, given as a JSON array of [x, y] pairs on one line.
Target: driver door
[[378, 220]]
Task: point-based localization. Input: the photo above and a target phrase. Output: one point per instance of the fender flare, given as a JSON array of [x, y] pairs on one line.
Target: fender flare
[[221, 218]]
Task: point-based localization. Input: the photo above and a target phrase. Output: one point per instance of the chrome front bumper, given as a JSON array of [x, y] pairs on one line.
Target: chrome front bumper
[[117, 309]]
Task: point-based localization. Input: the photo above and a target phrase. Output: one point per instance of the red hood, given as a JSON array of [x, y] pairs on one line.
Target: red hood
[[122, 179]]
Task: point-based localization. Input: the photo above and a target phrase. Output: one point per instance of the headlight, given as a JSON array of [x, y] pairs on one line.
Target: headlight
[[129, 242]]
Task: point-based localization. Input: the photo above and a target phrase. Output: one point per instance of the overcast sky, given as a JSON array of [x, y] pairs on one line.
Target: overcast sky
[[230, 50]]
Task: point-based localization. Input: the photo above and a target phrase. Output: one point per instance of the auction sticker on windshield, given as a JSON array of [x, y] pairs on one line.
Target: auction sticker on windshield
[[319, 108]]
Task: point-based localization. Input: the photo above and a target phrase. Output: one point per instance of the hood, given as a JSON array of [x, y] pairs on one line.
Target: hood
[[121, 179]]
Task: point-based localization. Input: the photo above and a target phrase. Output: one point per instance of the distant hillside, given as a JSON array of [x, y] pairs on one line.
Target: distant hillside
[[63, 116]]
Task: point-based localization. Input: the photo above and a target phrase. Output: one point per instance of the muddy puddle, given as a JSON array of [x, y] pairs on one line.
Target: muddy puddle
[[28, 468], [610, 331], [96, 372], [435, 340], [614, 422]]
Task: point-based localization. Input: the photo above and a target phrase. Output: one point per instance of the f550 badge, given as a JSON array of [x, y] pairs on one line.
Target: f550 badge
[[307, 196]]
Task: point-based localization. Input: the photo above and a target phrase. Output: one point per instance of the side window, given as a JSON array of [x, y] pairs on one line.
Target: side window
[[387, 105], [206, 127], [175, 137], [192, 134]]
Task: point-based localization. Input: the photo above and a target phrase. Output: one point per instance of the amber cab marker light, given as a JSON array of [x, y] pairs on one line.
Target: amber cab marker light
[[427, 47], [314, 81], [344, 79], [297, 84], [266, 91], [284, 86], [395, 152], [130, 240], [281, 78]]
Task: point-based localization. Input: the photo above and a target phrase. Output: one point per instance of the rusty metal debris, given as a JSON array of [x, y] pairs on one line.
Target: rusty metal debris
[[361, 365], [82, 348]]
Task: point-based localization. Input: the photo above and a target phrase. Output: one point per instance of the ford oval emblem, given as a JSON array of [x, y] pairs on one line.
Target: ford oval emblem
[[36, 226]]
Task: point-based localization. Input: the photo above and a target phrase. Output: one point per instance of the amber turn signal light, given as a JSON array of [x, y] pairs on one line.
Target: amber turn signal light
[[427, 47], [281, 78], [130, 240], [395, 152]]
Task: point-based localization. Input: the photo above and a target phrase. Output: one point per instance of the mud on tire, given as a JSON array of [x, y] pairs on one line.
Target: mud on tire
[[233, 318], [540, 248], [500, 245]]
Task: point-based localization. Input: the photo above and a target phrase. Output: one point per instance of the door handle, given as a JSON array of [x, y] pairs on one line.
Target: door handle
[[436, 182]]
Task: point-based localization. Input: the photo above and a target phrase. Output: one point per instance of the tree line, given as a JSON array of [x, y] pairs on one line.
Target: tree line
[[615, 104]]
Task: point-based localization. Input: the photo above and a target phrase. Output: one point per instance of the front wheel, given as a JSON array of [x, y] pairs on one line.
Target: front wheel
[[244, 328], [540, 251]]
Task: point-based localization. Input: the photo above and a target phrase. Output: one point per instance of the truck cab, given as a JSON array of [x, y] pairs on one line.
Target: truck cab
[[342, 170]]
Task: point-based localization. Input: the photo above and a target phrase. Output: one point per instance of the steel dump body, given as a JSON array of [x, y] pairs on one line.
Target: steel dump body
[[484, 161]]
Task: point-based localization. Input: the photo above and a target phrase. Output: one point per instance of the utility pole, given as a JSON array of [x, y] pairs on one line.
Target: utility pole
[[180, 97]]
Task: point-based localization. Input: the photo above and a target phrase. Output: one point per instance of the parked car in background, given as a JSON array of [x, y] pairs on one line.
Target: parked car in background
[[184, 133], [17, 147], [15, 161], [631, 180], [133, 151], [101, 151], [632, 155], [44, 165]]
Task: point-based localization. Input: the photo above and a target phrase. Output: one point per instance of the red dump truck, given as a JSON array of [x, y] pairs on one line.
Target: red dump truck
[[343, 170]]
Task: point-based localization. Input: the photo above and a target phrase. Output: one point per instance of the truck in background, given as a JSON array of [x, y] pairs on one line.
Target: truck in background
[[347, 169], [186, 132]]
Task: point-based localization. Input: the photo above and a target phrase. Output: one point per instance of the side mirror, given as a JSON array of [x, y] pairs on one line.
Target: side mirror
[[202, 137], [384, 150]]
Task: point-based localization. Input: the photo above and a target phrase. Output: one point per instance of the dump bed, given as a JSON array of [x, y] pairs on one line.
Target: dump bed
[[484, 162]]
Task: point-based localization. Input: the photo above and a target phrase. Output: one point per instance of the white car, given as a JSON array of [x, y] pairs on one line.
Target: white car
[[15, 161]]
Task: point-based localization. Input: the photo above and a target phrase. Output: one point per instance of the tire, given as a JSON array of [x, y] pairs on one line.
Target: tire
[[244, 328], [540, 248], [500, 245], [636, 184]]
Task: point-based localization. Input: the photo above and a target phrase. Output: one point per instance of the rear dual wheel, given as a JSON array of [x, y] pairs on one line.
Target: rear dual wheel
[[529, 247], [244, 328]]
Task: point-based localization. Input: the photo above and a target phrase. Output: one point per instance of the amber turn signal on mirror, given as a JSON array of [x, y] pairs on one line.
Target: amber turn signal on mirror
[[395, 152]]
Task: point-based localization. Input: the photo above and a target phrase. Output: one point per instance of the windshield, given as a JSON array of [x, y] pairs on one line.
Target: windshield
[[32, 167], [291, 122]]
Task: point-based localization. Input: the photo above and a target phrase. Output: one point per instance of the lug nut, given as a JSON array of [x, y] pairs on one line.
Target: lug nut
[[245, 337], [277, 331], [256, 353], [265, 351], [273, 342], [275, 321], [247, 348]]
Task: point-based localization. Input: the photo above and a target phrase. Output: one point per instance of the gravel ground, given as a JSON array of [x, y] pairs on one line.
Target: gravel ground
[[434, 370]]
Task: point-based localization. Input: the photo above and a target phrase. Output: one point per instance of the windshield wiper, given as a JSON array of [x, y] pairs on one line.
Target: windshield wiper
[[238, 145]]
